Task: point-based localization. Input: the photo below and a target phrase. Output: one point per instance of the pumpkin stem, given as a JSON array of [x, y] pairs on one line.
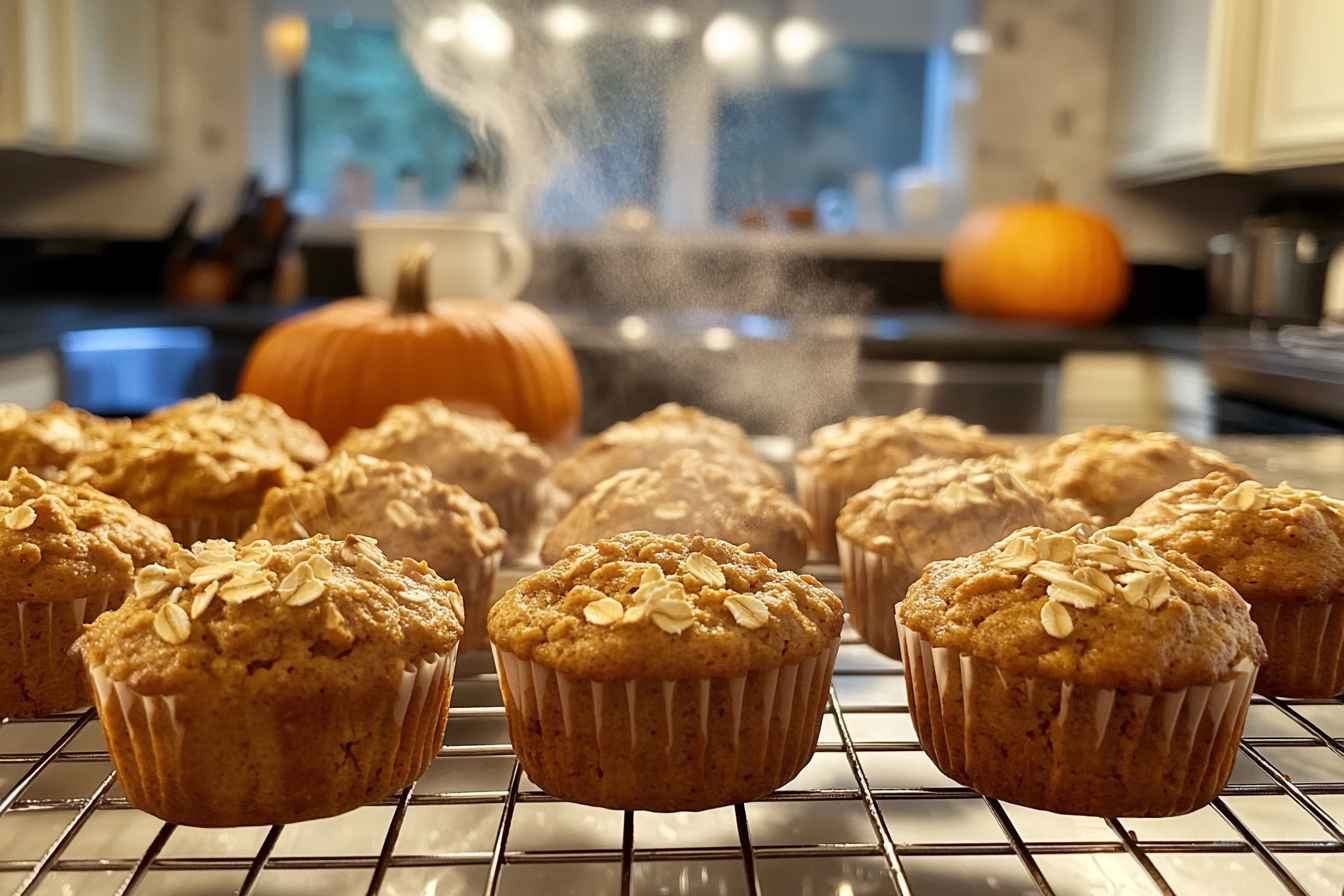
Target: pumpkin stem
[[1046, 190], [412, 295]]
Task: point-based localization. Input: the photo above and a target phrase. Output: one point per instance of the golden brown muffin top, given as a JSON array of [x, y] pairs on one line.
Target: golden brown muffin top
[[226, 613], [69, 542], [167, 472], [247, 416], [980, 496], [665, 607], [1271, 544], [651, 438], [1113, 469], [483, 455], [46, 441], [686, 493], [1105, 610], [855, 453], [410, 513]]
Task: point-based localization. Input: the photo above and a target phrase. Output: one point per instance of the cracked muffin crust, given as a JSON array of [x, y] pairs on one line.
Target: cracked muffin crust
[[46, 441], [250, 417], [683, 647], [932, 509], [687, 493], [409, 514], [273, 683], [654, 436], [67, 553], [1113, 469], [1080, 673], [1282, 549]]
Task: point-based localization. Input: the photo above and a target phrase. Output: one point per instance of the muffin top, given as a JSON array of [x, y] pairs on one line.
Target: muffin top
[[665, 606], [1113, 469], [247, 416], [221, 613], [651, 438], [1106, 610], [1271, 544], [68, 542], [483, 455], [46, 441], [167, 472], [687, 493], [979, 499], [410, 513], [855, 453]]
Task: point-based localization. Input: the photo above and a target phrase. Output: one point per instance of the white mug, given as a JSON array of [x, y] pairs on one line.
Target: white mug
[[476, 256]]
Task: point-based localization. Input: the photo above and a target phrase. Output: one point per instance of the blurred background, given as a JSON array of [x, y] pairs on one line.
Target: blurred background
[[1035, 215]]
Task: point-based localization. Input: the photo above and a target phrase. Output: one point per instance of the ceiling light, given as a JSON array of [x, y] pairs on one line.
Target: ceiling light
[[485, 33], [567, 23], [732, 41], [798, 40], [441, 30], [719, 339], [970, 41], [665, 24], [287, 42]]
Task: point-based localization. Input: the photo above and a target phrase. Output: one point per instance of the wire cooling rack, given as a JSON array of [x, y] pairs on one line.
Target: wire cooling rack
[[869, 814]]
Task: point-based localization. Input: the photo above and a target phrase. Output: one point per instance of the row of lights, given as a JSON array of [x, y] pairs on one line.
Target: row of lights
[[731, 40]]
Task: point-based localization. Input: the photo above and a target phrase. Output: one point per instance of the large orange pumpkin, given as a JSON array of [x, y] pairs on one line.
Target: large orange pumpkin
[[1039, 261], [343, 365]]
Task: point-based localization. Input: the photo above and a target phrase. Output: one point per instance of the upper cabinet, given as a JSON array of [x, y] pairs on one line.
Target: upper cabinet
[[79, 77], [1201, 86]]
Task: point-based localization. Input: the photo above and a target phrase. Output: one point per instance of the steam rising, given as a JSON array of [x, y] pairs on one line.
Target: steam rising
[[772, 356]]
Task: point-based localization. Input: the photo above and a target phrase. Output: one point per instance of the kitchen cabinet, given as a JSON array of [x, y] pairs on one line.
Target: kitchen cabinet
[[1299, 113], [79, 77]]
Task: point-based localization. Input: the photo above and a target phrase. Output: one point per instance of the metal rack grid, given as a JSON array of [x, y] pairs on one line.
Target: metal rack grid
[[870, 814]]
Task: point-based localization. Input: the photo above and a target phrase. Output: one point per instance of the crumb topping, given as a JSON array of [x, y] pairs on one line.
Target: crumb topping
[[247, 416]]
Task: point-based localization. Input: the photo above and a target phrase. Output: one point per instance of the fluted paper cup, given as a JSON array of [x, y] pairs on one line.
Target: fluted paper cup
[[216, 757], [874, 584], [823, 503], [477, 585], [37, 674], [187, 530], [1306, 648], [520, 513], [664, 746], [1070, 748]]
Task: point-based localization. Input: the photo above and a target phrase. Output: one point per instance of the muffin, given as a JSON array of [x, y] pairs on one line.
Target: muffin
[[933, 509], [651, 438], [690, 494], [407, 511], [1111, 470], [1086, 675], [201, 485], [1283, 550], [664, 672], [67, 553], [46, 441], [494, 462], [268, 684], [845, 458], [251, 417]]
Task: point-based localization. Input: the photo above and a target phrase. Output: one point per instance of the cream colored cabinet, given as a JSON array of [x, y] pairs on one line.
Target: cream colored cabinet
[[1299, 110], [79, 77]]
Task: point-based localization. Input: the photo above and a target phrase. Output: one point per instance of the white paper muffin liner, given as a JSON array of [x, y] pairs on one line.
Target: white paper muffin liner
[[1070, 748], [519, 510], [823, 503], [37, 674], [1306, 647], [477, 585], [874, 585], [187, 530], [664, 745], [159, 743]]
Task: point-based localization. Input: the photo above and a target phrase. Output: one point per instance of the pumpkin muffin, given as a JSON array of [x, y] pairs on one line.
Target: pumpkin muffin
[[845, 458], [46, 441], [409, 514], [1283, 550], [268, 684], [1111, 470], [933, 509], [690, 494], [1091, 675], [251, 417], [494, 462], [651, 438], [664, 672], [67, 553], [201, 485]]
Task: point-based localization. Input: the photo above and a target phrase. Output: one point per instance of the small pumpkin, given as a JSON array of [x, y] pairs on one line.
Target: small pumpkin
[[342, 365], [1041, 260]]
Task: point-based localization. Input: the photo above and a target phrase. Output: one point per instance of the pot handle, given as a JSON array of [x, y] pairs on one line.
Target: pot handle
[[517, 258]]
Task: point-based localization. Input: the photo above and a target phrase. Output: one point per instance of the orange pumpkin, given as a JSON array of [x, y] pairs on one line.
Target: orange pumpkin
[[343, 365], [1039, 261]]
